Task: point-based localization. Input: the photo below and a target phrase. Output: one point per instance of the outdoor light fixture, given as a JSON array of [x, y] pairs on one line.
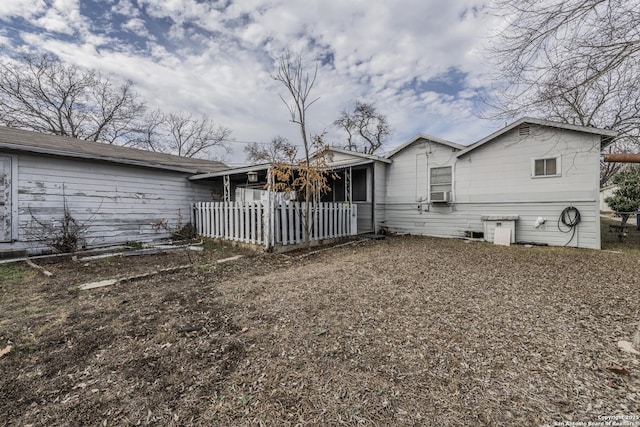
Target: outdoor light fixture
[[252, 176]]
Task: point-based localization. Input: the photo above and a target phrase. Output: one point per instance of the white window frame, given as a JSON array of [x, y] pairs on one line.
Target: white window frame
[[450, 183], [558, 173]]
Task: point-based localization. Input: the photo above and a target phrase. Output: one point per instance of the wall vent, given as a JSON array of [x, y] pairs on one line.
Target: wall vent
[[523, 130]]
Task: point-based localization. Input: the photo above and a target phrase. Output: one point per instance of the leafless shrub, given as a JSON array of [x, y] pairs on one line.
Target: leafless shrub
[[64, 235]]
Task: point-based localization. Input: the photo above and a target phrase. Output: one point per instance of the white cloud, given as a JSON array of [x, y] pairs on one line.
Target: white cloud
[[126, 8], [21, 8], [136, 26], [54, 21], [218, 62]]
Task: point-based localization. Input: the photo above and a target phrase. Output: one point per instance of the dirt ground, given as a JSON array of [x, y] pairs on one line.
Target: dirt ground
[[402, 331]]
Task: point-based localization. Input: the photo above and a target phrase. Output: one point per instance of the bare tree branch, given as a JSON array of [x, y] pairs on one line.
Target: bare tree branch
[[575, 61], [41, 93], [180, 134], [279, 150], [366, 129]]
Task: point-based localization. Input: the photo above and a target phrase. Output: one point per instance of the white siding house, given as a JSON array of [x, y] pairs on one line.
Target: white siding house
[[523, 176], [119, 194]]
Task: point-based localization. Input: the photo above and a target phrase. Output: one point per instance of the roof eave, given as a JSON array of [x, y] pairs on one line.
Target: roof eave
[[425, 137], [357, 154], [604, 133], [230, 171], [63, 153]]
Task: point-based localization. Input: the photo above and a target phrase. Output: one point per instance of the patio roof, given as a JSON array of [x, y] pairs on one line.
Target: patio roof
[[361, 160]]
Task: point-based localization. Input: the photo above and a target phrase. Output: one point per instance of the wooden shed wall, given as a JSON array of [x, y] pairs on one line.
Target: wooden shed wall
[[117, 203]]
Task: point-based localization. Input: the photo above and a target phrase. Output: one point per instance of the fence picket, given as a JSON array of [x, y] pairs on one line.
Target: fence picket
[[245, 222]]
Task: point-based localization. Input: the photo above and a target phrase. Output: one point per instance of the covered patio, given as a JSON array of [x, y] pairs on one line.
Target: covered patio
[[244, 207]]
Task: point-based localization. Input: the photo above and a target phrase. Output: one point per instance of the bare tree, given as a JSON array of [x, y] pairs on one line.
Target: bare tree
[[294, 175], [279, 150], [299, 82], [180, 134], [148, 131], [365, 127], [190, 137], [43, 94], [574, 61]]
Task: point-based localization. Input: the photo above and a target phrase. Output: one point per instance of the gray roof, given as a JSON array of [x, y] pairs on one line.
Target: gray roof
[[18, 140]]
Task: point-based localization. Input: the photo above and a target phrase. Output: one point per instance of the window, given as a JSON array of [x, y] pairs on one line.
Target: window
[[440, 179], [338, 191], [546, 167], [359, 185]]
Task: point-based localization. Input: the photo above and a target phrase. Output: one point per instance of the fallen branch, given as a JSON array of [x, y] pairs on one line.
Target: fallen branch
[[38, 267], [137, 252], [129, 279]]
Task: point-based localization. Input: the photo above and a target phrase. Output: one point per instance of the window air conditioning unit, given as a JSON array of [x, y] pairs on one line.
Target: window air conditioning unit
[[440, 196]]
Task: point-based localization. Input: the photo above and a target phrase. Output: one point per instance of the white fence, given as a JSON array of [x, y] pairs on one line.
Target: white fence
[[283, 224]]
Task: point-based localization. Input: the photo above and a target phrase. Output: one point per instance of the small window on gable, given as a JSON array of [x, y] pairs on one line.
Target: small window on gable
[[546, 167]]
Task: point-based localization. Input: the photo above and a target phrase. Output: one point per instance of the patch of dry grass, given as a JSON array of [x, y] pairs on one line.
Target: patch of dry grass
[[630, 242], [405, 331]]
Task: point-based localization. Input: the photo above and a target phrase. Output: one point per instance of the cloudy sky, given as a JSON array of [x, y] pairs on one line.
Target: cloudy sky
[[421, 62]]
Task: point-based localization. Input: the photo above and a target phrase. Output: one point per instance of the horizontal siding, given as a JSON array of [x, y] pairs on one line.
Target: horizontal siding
[[115, 203], [379, 185], [365, 217], [495, 179], [455, 220], [407, 177], [501, 170]]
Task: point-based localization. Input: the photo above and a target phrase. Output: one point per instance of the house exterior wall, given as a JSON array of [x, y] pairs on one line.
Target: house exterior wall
[[6, 198], [496, 180], [407, 176], [380, 194], [117, 203]]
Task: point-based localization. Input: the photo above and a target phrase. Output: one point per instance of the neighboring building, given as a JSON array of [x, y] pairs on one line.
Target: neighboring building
[[606, 191], [120, 194], [522, 177]]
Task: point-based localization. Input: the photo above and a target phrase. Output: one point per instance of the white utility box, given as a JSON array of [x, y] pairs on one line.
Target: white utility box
[[491, 222]]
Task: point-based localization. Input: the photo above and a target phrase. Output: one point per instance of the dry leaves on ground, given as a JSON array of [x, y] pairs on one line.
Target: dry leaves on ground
[[405, 331]]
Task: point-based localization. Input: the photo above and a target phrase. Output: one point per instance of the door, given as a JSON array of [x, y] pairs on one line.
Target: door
[[5, 199]]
